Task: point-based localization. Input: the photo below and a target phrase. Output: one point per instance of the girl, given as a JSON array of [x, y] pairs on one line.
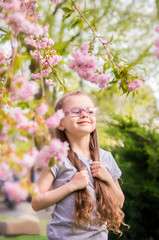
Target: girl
[[85, 189]]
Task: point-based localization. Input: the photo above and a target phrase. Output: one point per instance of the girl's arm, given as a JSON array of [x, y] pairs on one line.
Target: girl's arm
[[46, 197], [100, 171]]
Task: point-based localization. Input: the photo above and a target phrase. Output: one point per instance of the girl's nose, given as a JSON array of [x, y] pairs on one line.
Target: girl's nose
[[83, 113]]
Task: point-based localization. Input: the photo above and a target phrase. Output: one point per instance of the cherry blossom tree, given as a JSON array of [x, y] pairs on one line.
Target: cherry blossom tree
[[31, 71]]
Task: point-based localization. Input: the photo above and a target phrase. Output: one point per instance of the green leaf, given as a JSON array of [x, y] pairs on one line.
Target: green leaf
[[114, 81], [68, 15], [60, 89], [116, 73], [106, 66], [52, 160], [1, 126], [75, 23], [125, 70], [93, 23], [67, 10], [23, 105], [111, 39], [103, 57]]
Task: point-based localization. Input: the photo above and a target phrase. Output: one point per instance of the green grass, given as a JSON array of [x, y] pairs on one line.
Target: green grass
[[25, 237]]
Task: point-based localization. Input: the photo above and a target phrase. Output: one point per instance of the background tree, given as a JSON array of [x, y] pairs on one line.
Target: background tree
[[136, 149]]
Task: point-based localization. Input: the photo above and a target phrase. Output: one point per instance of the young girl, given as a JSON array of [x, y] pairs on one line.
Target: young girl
[[85, 189]]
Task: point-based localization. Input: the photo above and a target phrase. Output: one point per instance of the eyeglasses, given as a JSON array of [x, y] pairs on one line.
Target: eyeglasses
[[77, 111]]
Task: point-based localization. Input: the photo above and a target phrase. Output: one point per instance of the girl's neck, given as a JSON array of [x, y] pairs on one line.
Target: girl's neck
[[80, 145]]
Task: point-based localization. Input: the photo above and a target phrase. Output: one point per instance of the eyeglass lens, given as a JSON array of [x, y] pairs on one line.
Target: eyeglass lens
[[78, 111]]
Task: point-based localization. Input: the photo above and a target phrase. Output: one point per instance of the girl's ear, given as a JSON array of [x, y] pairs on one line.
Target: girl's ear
[[61, 127]]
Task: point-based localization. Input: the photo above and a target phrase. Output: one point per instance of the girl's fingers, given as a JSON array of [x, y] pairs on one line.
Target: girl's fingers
[[96, 165]]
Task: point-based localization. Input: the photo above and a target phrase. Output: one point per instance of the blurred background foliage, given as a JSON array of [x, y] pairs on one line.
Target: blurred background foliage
[[126, 26], [136, 150]]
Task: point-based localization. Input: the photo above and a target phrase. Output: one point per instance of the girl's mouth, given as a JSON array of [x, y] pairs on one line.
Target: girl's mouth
[[83, 122]]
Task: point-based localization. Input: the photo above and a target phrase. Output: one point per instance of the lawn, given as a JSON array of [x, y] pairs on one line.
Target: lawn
[[25, 237]]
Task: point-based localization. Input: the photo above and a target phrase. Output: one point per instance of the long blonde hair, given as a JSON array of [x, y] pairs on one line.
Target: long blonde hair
[[107, 209]]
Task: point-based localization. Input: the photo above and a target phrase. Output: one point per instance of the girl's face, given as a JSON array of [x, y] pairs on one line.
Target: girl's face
[[78, 125]]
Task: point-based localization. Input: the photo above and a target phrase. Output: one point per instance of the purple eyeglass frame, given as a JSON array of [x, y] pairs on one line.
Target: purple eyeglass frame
[[82, 109]]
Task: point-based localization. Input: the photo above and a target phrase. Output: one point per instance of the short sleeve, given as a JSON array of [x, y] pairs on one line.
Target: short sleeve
[[55, 170], [110, 163]]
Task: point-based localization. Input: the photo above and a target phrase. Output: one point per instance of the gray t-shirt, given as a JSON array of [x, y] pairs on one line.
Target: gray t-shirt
[[61, 225]]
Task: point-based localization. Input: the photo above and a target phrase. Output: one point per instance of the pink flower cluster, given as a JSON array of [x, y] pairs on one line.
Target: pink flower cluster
[[86, 66], [4, 56], [15, 191], [29, 159], [57, 150], [50, 82], [22, 89], [42, 109], [45, 53], [20, 16], [30, 127], [132, 86], [156, 43], [3, 170], [54, 120], [55, 1]]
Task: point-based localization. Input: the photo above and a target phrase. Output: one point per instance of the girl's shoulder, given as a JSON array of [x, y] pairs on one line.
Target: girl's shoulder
[[108, 160], [64, 166], [104, 155]]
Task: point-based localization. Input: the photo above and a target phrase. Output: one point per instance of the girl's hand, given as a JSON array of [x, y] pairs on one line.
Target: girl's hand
[[100, 171], [80, 180]]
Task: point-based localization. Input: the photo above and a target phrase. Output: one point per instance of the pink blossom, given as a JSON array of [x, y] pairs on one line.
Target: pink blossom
[[31, 41], [138, 83], [15, 191], [2, 15], [30, 127], [50, 82], [132, 86], [24, 89], [64, 67], [44, 157], [156, 43], [55, 119], [4, 55], [156, 52], [157, 29], [48, 58], [84, 64], [46, 28], [29, 159], [36, 54], [22, 139], [4, 170], [13, 5], [55, 1], [54, 59], [19, 23], [43, 73], [100, 79], [19, 117], [3, 134], [42, 109], [23, 122], [3, 69], [85, 48], [46, 42], [57, 149]]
